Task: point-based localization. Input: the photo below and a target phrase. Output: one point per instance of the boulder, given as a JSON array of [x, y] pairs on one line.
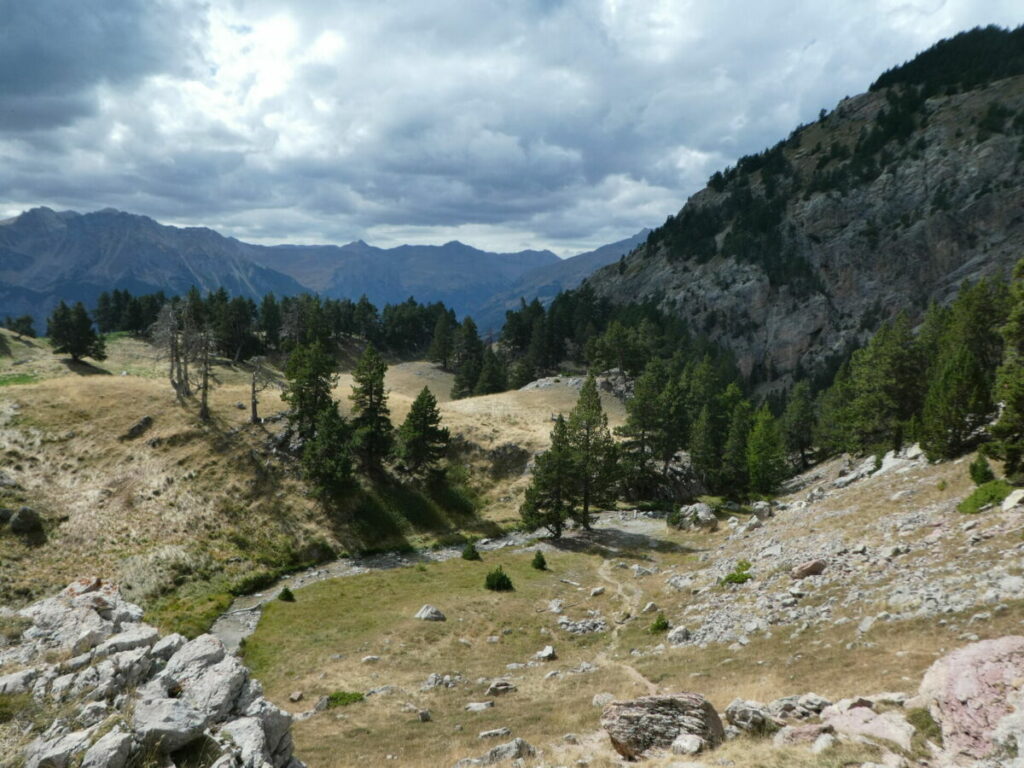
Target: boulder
[[26, 521], [110, 751], [793, 735], [863, 721], [429, 613], [1014, 500], [761, 509], [751, 717], [512, 750], [700, 516], [656, 722], [809, 568], [500, 688], [138, 429], [678, 636], [547, 653], [976, 695]]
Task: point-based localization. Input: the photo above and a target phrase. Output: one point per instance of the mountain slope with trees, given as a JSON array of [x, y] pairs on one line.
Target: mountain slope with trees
[[890, 201]]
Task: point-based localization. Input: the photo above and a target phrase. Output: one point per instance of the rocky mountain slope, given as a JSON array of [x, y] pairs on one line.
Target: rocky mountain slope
[[883, 205]]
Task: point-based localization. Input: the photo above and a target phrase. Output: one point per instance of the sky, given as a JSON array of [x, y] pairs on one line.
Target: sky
[[559, 124]]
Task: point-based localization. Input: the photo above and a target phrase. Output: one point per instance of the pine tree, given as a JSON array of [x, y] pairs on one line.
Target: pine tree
[[492, 378], [734, 477], [71, 332], [270, 321], [798, 421], [422, 440], [326, 461], [467, 359], [1008, 431], [833, 429], [766, 458], [21, 326], [704, 452], [549, 498], [310, 378], [593, 451], [371, 426], [644, 422], [441, 345], [957, 404]]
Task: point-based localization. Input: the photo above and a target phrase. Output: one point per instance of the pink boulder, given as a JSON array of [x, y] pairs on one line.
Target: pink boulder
[[976, 695]]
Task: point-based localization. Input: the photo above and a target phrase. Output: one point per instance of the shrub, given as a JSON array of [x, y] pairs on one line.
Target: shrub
[[343, 698], [740, 574], [469, 552], [539, 561], [498, 581], [981, 472], [659, 625], [286, 595], [992, 492], [942, 485]]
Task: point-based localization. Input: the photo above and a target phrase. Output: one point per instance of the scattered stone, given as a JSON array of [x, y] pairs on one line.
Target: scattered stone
[[495, 733], [1015, 499], [429, 613], [793, 735], [138, 429], [863, 721], [602, 699], [500, 688], [751, 717], [651, 722], [583, 626], [823, 743], [424, 715], [809, 568], [547, 653], [700, 516], [295, 697], [512, 750], [650, 607], [369, 659], [479, 706], [597, 591]]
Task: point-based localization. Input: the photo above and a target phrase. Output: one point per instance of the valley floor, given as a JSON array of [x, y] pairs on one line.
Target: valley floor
[[907, 579]]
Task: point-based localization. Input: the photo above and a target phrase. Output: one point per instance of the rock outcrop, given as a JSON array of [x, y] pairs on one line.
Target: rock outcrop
[[659, 722], [133, 693], [976, 695]]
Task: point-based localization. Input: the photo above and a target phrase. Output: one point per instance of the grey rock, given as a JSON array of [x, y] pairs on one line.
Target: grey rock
[[678, 636], [479, 706], [655, 722], [26, 521], [111, 750], [547, 653], [513, 750], [750, 717], [429, 613], [495, 733]]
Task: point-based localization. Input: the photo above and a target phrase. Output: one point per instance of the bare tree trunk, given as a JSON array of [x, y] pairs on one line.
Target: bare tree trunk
[[255, 418], [204, 362]]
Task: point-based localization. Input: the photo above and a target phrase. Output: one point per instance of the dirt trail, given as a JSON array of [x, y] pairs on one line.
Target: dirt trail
[[630, 596]]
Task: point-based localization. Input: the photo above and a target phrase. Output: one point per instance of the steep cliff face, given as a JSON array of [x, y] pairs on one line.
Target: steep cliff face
[[887, 203]]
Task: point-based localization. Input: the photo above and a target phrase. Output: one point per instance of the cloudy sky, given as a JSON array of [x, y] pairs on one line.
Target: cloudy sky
[[561, 124]]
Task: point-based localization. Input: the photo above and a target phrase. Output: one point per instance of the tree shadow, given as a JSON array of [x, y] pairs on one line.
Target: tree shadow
[[611, 543], [5, 346], [83, 368]]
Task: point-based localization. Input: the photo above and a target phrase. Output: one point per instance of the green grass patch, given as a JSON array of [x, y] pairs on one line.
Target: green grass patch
[[343, 698], [189, 613], [992, 492], [740, 574], [15, 379], [11, 627]]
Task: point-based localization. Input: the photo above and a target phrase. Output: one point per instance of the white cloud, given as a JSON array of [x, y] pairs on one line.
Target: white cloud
[[559, 124]]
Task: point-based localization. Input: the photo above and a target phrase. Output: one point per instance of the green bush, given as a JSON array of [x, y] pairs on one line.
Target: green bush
[[659, 625], [981, 472], [343, 698], [539, 561], [286, 595], [469, 552], [498, 581], [740, 574], [992, 492]]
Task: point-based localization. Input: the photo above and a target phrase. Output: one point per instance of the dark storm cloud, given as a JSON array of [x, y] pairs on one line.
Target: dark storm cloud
[[53, 53], [542, 124]]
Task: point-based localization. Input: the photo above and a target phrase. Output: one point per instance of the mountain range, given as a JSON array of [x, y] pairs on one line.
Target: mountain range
[[47, 255]]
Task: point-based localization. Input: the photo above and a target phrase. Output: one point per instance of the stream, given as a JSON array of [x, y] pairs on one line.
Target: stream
[[240, 620]]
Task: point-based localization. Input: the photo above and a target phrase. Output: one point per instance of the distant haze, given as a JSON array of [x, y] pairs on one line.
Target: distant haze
[[508, 126]]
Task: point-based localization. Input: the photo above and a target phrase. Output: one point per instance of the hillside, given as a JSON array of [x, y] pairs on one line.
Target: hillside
[[888, 202], [457, 274], [545, 282]]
